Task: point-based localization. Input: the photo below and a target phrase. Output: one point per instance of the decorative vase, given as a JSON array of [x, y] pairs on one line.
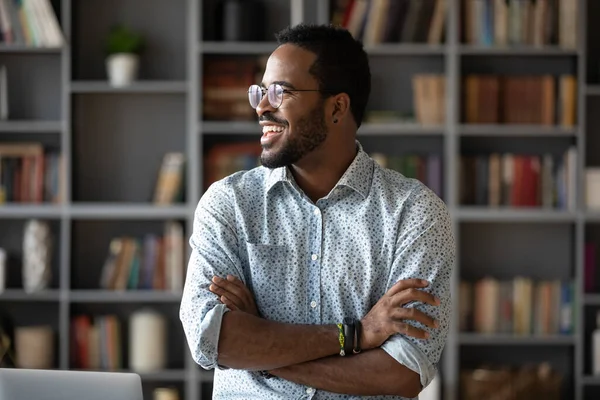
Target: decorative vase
[[122, 68], [147, 341], [37, 256]]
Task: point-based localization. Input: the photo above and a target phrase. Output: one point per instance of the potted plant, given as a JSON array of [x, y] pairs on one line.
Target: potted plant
[[123, 47]]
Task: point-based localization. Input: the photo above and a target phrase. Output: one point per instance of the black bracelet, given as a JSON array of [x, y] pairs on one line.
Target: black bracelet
[[349, 334], [266, 374], [358, 330]]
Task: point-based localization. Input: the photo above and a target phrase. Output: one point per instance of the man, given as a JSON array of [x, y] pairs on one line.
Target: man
[[291, 257]]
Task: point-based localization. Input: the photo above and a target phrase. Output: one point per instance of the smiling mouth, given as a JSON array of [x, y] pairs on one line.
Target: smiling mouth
[[272, 129]]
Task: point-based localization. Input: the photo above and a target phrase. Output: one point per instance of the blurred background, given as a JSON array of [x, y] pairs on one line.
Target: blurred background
[[116, 115]]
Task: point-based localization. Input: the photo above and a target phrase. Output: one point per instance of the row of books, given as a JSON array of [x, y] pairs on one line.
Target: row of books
[[170, 183], [429, 98], [152, 263], [225, 83], [520, 99], [96, 342], [520, 22], [521, 306], [508, 382], [519, 180], [425, 168], [30, 174], [385, 21], [225, 159], [29, 22]]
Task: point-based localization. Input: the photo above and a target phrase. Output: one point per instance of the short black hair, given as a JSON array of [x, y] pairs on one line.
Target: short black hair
[[341, 65]]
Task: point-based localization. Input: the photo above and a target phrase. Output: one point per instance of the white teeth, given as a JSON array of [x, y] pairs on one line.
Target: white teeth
[[272, 128]]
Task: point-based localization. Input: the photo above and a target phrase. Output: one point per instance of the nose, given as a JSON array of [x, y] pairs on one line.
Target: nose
[[264, 106]]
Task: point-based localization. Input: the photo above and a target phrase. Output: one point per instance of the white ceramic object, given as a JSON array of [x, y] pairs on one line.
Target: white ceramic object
[[37, 256], [122, 69]]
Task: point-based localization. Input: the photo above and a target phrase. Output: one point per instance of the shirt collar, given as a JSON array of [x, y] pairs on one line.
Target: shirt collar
[[358, 176]]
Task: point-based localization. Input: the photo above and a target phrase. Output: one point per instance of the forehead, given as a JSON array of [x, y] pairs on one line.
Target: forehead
[[291, 64]]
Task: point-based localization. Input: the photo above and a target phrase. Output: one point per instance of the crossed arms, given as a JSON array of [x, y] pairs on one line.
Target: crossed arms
[[214, 317]]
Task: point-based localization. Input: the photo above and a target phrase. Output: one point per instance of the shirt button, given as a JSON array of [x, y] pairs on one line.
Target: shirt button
[[316, 212], [314, 257], [310, 390], [313, 304]]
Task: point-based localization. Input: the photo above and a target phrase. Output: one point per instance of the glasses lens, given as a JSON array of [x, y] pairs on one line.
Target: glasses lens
[[275, 94], [255, 95]]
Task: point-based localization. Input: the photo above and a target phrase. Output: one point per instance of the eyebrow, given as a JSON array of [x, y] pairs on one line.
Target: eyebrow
[[282, 83]]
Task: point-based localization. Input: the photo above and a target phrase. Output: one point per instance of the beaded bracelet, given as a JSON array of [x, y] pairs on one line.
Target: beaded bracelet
[[342, 339]]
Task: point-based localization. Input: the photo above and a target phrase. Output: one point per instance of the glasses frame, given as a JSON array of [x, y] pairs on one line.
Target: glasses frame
[[274, 87]]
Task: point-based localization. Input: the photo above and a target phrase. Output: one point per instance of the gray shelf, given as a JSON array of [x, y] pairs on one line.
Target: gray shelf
[[484, 214], [17, 210], [137, 87], [253, 128], [204, 376], [128, 211], [592, 216], [49, 295], [592, 90], [230, 127], [515, 130], [405, 49], [516, 51], [29, 49], [591, 380], [515, 340], [131, 296], [591, 299], [399, 129], [31, 126], [236, 47]]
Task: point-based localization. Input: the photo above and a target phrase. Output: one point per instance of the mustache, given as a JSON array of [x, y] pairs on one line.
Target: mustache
[[268, 117]]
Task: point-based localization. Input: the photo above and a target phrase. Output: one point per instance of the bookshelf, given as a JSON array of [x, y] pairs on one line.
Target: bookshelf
[[113, 140]]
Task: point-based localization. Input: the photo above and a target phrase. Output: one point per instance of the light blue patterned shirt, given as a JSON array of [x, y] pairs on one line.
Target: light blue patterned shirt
[[316, 263]]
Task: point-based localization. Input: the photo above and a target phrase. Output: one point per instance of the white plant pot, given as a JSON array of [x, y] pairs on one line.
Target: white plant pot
[[122, 68]]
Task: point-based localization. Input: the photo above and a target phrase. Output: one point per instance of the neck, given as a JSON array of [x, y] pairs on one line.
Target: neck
[[318, 173]]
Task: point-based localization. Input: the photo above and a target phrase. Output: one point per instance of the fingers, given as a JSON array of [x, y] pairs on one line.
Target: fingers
[[409, 330], [231, 305], [230, 287], [221, 291], [414, 315], [410, 295], [405, 284]]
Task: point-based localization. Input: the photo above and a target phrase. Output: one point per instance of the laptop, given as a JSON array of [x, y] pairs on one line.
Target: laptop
[[36, 384]]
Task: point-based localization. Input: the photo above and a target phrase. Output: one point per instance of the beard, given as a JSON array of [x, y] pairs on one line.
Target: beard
[[309, 132]]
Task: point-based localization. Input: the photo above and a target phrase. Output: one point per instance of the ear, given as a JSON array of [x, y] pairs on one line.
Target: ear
[[340, 107]]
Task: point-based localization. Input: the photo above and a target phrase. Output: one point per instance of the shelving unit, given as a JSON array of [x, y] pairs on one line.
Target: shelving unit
[[113, 141]]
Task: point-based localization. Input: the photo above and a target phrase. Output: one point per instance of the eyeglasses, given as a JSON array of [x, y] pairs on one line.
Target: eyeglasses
[[274, 93]]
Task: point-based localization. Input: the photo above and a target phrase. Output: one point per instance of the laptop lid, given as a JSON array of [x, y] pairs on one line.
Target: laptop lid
[[32, 384]]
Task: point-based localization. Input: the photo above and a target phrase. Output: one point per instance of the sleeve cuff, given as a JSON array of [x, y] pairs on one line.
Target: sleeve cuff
[[410, 356], [207, 345]]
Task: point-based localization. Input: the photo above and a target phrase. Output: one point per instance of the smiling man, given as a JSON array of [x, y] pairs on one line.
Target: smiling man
[[318, 274]]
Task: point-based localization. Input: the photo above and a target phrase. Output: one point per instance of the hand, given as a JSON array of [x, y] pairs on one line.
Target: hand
[[234, 294], [387, 316]]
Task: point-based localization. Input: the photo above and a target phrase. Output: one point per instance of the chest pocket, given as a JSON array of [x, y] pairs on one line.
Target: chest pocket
[[277, 279]]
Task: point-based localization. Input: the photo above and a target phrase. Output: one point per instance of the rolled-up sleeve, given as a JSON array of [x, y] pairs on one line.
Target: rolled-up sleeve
[[426, 250], [214, 249]]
